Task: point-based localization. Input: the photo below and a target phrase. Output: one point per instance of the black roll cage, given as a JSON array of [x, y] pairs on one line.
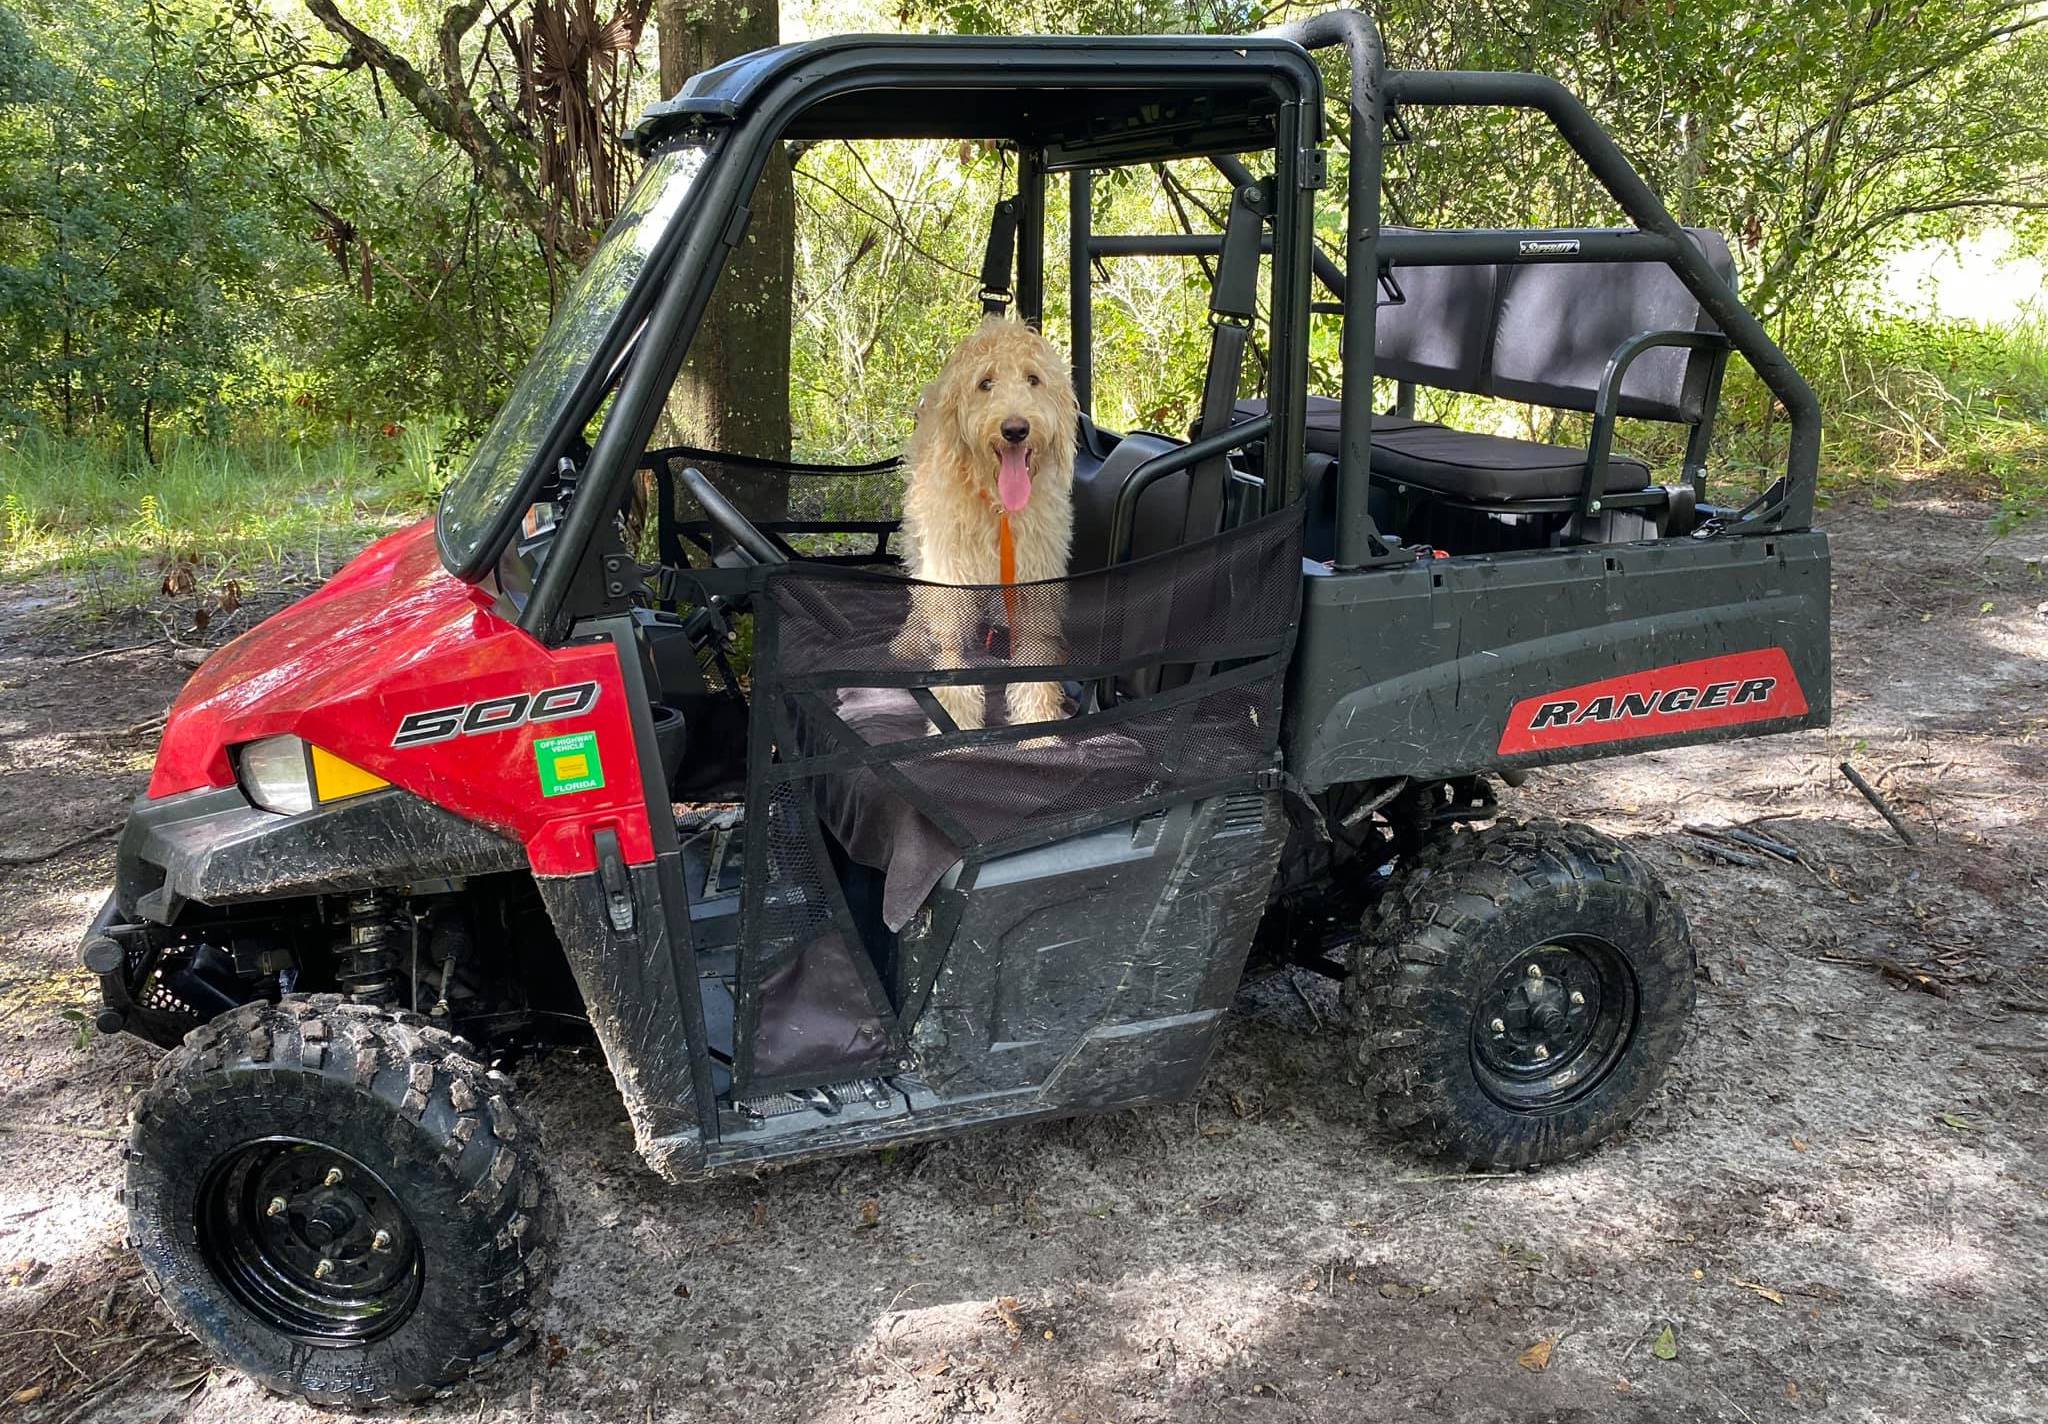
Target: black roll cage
[[775, 88], [1373, 257]]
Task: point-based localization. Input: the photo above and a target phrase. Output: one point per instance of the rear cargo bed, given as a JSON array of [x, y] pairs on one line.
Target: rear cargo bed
[[1453, 666]]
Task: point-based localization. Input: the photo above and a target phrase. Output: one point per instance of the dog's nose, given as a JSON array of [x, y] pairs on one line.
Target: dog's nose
[[1016, 431]]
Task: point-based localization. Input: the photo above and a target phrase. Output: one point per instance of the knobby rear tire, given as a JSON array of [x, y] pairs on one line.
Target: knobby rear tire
[[1460, 921]]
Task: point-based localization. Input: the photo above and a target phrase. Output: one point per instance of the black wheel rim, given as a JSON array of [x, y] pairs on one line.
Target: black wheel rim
[[314, 1243], [1554, 1023]]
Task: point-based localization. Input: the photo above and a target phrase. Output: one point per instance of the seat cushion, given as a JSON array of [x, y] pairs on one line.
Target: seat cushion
[[1486, 468], [1002, 785], [1493, 468]]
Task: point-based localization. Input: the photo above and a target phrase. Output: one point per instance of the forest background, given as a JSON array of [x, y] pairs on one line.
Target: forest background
[[268, 266]]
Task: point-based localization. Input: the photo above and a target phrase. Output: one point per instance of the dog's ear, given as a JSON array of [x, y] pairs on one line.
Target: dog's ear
[[936, 438]]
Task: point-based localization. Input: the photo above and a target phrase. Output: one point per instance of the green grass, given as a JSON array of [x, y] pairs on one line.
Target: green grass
[[227, 509], [1914, 399], [1905, 401]]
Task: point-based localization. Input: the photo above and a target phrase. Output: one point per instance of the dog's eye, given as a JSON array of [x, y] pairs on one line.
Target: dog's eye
[[1033, 378], [988, 383]]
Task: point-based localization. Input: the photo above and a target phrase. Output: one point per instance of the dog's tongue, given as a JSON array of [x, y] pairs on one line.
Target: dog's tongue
[[1013, 479]]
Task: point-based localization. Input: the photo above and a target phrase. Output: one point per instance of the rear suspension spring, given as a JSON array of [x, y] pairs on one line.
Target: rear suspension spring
[[367, 961]]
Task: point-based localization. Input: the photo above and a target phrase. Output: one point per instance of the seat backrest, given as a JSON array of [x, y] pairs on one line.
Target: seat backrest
[[1103, 461], [1441, 332], [1543, 332], [1559, 323]]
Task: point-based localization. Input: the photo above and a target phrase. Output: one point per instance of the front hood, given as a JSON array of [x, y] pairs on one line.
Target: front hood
[[392, 636], [392, 611]]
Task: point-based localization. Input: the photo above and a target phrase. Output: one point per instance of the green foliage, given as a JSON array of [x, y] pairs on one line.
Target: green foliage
[[1819, 136], [200, 217], [889, 244], [1916, 397], [224, 248]]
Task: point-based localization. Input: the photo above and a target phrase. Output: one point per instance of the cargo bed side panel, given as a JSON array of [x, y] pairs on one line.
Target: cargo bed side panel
[[1454, 666]]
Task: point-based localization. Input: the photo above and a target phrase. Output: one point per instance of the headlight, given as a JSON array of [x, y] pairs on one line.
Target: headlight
[[287, 775]]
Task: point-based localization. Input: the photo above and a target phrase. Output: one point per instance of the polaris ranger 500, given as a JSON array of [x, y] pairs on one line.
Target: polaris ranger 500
[[500, 773]]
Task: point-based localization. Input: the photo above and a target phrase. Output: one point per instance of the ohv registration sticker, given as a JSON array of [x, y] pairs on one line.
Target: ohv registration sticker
[[1683, 697]]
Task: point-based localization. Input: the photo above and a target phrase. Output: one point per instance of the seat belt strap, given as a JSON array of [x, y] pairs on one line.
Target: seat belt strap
[[1233, 302], [1000, 260]]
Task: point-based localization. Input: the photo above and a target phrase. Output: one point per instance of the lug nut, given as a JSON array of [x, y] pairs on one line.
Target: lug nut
[[333, 1177], [1542, 1052], [381, 1241], [276, 1207], [322, 1271], [1500, 1026], [1578, 999], [1535, 971]]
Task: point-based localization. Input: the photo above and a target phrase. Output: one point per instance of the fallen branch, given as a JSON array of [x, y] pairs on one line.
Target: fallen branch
[[1883, 808], [1762, 843], [61, 1129], [1306, 1002], [1735, 835], [1891, 969], [1720, 852], [95, 1391], [104, 653], [38, 857], [121, 734]]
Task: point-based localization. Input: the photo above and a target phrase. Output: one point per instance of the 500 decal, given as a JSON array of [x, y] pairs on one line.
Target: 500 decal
[[495, 714]]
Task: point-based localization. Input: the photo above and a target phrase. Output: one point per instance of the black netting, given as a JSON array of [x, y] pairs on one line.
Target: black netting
[[1214, 600], [795, 902], [1179, 660]]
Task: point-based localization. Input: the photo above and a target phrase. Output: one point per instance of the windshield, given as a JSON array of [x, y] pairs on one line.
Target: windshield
[[474, 504]]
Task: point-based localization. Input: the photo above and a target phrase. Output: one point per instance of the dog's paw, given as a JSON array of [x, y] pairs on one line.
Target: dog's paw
[[966, 705], [1035, 702]]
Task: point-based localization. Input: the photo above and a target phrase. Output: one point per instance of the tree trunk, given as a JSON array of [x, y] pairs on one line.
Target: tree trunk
[[733, 391]]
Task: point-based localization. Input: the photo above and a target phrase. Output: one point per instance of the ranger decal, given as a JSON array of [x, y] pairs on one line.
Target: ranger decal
[[1683, 697]]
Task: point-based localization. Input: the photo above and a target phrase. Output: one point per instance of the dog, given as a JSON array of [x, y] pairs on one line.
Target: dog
[[994, 440]]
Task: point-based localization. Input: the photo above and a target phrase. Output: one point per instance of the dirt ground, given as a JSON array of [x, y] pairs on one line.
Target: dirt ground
[[1836, 1209]]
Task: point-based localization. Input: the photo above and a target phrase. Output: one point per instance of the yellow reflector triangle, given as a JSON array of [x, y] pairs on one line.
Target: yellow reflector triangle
[[334, 778]]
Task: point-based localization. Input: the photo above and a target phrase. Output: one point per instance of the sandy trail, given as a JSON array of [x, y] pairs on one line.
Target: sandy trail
[[1836, 1209]]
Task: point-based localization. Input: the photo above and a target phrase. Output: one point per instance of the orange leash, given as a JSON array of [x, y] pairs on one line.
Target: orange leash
[[1006, 560]]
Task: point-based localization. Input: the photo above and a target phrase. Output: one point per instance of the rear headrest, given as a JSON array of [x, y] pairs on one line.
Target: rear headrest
[[1544, 332], [1559, 323], [1439, 334]]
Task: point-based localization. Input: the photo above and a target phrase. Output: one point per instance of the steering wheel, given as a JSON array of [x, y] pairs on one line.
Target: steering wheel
[[751, 542]]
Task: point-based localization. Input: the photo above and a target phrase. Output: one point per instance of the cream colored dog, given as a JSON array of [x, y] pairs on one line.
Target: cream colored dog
[[994, 440]]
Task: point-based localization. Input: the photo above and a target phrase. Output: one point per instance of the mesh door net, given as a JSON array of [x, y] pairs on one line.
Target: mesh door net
[[1179, 659]]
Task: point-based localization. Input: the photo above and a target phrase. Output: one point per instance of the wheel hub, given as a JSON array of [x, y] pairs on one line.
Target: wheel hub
[[311, 1241], [1552, 1023], [1538, 1018]]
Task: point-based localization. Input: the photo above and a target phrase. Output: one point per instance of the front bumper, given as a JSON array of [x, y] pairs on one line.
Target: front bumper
[[196, 869], [214, 848]]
